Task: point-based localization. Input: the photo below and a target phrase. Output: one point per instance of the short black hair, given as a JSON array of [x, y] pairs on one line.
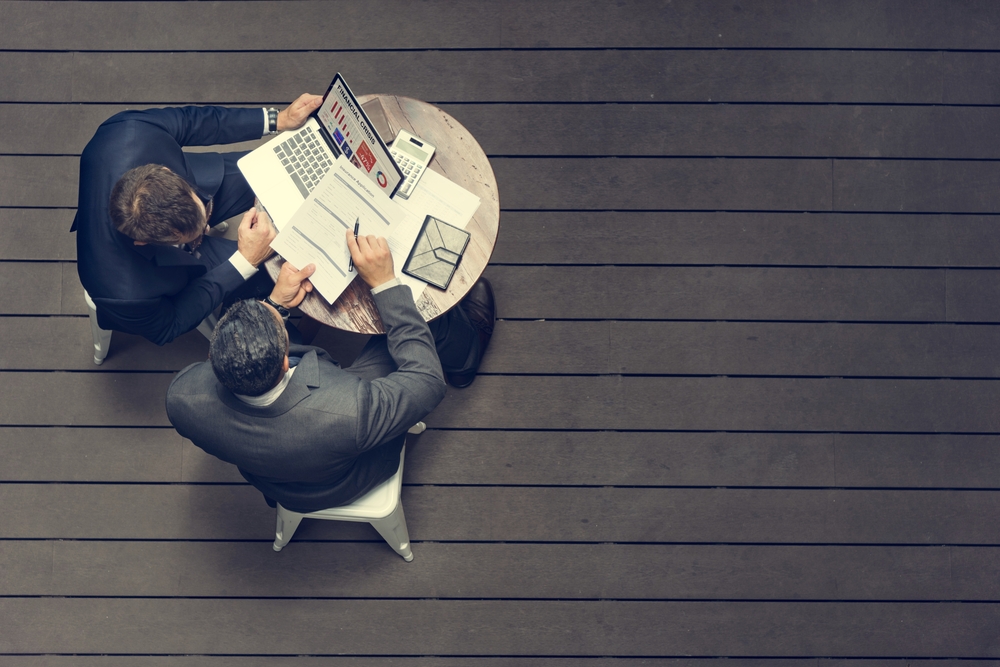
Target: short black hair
[[248, 348], [152, 204]]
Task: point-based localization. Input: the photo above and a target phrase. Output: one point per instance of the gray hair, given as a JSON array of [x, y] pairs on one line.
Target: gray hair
[[248, 348]]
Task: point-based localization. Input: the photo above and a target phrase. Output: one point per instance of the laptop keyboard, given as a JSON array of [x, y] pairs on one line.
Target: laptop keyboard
[[304, 159]]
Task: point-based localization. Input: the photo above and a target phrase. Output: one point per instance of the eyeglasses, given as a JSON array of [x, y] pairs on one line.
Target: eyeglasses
[[194, 245], [191, 246]]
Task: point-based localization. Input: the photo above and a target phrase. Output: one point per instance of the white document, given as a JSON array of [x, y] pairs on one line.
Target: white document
[[445, 200], [316, 233], [437, 196]]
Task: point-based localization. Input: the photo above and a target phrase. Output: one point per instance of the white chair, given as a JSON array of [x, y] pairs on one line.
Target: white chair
[[102, 337], [381, 507]]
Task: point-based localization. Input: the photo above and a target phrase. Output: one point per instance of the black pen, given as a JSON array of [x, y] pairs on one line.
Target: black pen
[[357, 224]]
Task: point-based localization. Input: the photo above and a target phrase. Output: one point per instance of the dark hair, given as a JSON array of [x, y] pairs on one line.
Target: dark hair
[[248, 348], [152, 204]]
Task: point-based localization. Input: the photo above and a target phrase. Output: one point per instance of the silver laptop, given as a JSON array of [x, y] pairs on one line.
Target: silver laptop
[[287, 168]]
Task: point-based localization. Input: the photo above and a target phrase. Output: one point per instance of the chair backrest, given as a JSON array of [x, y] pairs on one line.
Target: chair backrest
[[376, 504]]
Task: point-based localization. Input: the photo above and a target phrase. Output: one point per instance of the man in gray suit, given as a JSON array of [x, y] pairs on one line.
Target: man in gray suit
[[303, 431]]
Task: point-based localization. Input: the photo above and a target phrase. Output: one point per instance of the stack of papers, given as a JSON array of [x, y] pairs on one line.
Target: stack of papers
[[316, 233]]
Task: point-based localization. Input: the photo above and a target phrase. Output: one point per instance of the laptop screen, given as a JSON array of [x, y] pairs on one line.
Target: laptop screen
[[346, 124]]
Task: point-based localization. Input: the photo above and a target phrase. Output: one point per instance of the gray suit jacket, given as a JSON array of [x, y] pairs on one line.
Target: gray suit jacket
[[333, 434]]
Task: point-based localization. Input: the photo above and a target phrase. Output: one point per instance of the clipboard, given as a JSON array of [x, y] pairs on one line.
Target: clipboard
[[437, 252]]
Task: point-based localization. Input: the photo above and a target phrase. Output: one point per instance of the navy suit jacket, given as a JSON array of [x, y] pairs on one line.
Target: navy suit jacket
[[155, 291]]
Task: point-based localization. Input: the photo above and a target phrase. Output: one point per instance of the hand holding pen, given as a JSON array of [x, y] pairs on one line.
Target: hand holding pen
[[372, 258]]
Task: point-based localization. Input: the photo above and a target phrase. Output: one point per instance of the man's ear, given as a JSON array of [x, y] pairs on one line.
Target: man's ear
[[284, 365]]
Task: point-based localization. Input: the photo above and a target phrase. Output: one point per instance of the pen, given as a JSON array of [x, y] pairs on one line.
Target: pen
[[357, 224]]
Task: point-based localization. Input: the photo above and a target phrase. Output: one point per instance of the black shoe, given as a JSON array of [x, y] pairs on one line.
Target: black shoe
[[481, 308]]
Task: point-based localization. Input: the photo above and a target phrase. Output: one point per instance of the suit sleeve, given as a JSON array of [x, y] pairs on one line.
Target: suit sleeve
[[388, 406], [165, 318], [201, 126]]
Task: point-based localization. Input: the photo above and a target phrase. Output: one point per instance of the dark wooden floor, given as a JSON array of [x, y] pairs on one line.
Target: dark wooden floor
[[742, 402]]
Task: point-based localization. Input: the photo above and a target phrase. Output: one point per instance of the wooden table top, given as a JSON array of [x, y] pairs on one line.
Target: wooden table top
[[459, 158]]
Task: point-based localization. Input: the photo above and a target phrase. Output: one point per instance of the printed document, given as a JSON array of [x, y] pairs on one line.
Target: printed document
[[437, 196], [316, 233]]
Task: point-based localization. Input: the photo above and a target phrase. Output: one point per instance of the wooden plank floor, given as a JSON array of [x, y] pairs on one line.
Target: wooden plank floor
[[741, 402]]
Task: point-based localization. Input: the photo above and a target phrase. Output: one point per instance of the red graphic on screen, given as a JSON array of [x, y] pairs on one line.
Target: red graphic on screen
[[339, 117], [366, 156]]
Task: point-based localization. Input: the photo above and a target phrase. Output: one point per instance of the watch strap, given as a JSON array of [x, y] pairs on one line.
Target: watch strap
[[284, 312]]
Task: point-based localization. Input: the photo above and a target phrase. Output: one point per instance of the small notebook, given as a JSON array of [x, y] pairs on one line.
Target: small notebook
[[437, 252]]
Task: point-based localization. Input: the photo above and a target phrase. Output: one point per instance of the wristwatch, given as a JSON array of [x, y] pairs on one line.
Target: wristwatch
[[278, 307], [272, 121]]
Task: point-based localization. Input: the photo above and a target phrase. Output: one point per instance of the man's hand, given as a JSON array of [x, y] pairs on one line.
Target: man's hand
[[372, 258], [297, 113], [255, 236], [292, 285]]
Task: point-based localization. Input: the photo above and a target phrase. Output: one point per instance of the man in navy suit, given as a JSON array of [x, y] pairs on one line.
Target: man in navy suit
[[144, 207]]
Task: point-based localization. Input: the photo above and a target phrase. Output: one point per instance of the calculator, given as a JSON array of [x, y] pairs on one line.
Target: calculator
[[412, 154]]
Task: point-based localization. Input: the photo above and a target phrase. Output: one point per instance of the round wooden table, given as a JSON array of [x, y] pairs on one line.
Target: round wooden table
[[459, 158]]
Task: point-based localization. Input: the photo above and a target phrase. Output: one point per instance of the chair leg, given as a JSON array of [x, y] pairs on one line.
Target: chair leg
[[393, 530], [286, 524], [102, 337]]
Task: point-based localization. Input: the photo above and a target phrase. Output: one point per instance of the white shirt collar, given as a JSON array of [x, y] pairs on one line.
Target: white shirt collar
[[271, 396]]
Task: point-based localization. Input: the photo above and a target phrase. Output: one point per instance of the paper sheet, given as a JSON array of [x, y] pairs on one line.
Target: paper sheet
[[316, 235], [434, 195]]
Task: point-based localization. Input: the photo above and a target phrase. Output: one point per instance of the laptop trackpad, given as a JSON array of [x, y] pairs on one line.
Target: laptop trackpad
[[281, 200]]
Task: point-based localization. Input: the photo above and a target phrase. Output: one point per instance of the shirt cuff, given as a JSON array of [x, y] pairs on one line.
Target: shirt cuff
[[267, 123], [386, 285], [240, 263]]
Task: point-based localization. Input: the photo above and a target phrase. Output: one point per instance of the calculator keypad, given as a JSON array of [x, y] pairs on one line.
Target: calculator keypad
[[411, 172]]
